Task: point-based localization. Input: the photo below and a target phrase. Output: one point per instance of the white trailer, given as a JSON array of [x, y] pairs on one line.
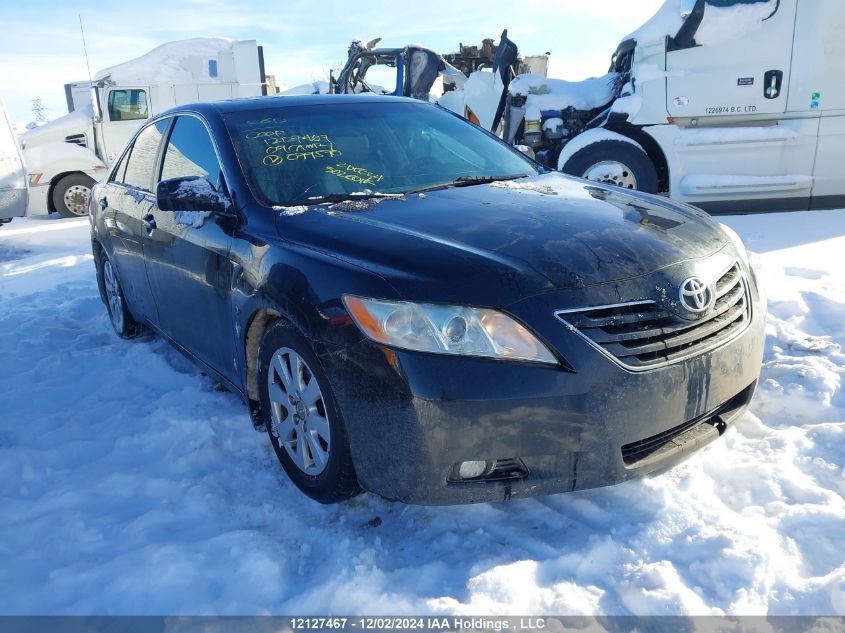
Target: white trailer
[[66, 156], [732, 105], [13, 189]]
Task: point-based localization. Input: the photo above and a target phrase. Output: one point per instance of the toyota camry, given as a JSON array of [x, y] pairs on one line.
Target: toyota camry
[[410, 306]]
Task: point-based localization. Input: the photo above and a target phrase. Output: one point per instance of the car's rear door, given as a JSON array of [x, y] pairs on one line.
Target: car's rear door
[[124, 202], [187, 255]]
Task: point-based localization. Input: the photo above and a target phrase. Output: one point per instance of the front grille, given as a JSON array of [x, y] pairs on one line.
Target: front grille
[[645, 334]]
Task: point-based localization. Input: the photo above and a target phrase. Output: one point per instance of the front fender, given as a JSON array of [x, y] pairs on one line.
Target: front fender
[[300, 284]]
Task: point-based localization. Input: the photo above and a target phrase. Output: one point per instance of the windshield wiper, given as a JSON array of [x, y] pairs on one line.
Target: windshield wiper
[[468, 181]]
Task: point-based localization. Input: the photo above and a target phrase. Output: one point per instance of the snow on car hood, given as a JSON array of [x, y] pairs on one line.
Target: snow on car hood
[[541, 233]]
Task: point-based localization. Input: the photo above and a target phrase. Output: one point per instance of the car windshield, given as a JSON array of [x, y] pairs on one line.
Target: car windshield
[[304, 154]]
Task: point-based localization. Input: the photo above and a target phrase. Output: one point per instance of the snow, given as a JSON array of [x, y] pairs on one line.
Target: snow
[[170, 63], [194, 219], [292, 210], [587, 138], [556, 94], [629, 104], [718, 25], [519, 185], [721, 24], [129, 484], [314, 88], [667, 21]]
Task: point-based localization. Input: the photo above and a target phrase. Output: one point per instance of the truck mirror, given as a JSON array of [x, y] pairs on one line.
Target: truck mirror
[[190, 193], [687, 7]]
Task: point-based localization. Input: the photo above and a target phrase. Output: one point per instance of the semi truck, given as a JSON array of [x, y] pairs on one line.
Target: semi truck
[[65, 157], [731, 105], [13, 189]]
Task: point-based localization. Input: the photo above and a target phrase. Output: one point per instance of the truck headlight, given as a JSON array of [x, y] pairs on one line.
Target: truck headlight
[[445, 329]]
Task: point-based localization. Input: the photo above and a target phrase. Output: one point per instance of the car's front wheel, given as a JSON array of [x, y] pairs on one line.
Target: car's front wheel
[[121, 319], [303, 418]]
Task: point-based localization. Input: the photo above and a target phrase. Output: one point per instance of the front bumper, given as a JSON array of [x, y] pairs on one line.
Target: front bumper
[[411, 417], [38, 203]]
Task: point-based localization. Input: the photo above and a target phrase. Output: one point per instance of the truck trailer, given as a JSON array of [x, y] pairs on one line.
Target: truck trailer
[[65, 157]]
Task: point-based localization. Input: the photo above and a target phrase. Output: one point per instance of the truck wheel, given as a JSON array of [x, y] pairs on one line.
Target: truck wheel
[[302, 416], [70, 194], [614, 163]]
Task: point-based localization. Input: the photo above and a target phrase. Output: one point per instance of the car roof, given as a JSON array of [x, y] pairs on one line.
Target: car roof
[[280, 101]]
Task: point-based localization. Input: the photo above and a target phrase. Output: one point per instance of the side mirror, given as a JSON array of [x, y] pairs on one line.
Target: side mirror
[[191, 193], [687, 7]]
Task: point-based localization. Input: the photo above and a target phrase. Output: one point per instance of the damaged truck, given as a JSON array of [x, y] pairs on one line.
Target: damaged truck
[[731, 105]]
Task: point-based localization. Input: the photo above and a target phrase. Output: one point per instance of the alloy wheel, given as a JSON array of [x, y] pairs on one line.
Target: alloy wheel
[[299, 419], [113, 295]]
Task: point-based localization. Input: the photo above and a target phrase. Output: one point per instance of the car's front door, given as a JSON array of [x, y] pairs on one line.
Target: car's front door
[[187, 255]]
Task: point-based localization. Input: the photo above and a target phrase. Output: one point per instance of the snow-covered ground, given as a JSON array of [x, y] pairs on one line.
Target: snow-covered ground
[[129, 485]]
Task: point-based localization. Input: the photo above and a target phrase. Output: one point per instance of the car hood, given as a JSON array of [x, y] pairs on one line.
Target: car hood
[[535, 234]]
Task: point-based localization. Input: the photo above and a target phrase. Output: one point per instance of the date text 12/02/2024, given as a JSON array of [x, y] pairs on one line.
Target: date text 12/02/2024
[[414, 623]]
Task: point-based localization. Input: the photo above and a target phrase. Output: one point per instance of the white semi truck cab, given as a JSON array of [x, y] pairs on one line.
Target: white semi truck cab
[[732, 105], [66, 156]]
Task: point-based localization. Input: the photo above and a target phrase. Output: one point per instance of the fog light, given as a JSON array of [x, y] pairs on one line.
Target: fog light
[[487, 471], [471, 470]]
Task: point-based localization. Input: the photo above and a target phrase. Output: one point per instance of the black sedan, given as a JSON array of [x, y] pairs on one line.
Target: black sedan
[[411, 307]]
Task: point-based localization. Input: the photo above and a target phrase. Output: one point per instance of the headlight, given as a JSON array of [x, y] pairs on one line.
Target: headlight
[[737, 242], [442, 329]]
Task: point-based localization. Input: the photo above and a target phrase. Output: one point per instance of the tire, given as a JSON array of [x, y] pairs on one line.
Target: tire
[[70, 193], [121, 319], [320, 466], [615, 163]]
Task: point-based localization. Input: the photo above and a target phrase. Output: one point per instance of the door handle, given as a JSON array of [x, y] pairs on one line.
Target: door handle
[[772, 84], [149, 222], [104, 202]]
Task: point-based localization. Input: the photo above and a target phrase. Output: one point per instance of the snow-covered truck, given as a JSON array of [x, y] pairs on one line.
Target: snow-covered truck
[[66, 156], [727, 104], [13, 189]]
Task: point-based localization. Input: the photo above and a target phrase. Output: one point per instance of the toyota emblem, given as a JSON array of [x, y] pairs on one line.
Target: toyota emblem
[[696, 296]]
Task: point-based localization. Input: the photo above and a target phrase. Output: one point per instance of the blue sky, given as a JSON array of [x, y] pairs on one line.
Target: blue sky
[[41, 47]]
